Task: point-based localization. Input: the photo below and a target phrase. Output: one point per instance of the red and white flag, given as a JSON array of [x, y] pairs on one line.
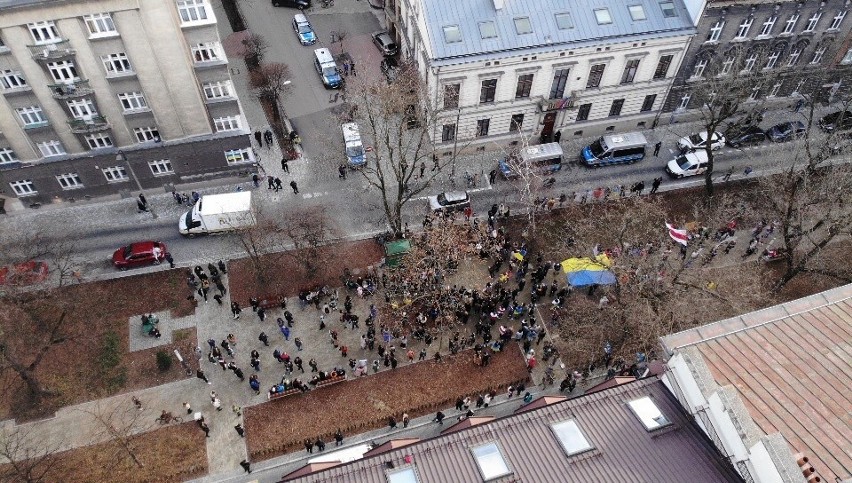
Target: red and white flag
[[679, 236]]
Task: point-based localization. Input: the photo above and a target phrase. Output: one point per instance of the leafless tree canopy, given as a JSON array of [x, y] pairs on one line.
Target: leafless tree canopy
[[27, 456]]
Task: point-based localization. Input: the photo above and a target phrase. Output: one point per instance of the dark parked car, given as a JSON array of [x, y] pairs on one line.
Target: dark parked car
[[300, 4], [138, 254], [385, 43], [745, 136], [786, 131], [840, 120]]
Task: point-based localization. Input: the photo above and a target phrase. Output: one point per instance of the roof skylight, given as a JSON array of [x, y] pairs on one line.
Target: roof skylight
[[523, 25], [637, 12], [603, 16], [668, 9], [572, 439], [405, 475], [564, 21], [452, 34], [648, 413], [490, 461], [488, 29]]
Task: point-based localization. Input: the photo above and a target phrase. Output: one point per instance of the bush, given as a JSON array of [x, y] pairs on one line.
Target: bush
[[110, 355], [164, 361]]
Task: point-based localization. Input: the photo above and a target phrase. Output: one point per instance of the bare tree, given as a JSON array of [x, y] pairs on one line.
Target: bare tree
[[308, 229], [269, 82], [119, 425], [30, 457], [260, 242], [254, 46]]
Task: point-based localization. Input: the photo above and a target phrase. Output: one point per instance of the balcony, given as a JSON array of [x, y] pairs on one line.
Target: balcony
[[77, 88], [54, 51], [85, 126]]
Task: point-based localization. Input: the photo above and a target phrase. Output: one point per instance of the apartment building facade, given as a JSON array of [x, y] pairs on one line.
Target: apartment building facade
[[100, 95], [802, 44], [497, 70]]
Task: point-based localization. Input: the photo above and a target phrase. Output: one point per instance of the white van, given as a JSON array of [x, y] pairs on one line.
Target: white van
[[354, 148], [327, 69]]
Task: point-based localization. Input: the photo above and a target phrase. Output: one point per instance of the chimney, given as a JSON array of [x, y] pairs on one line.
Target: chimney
[[814, 479], [801, 459], [498, 4]]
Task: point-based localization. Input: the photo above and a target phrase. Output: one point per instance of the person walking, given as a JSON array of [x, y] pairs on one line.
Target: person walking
[[200, 374], [235, 309], [341, 172], [267, 136], [263, 338], [259, 138], [557, 136], [295, 187], [656, 184], [338, 437], [246, 466], [392, 422], [728, 174], [298, 343], [240, 430], [422, 168], [657, 149], [405, 420], [439, 418], [204, 427], [170, 260], [136, 402]]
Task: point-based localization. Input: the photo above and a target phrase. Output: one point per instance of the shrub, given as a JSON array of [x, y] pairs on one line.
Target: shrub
[[110, 355], [164, 361]]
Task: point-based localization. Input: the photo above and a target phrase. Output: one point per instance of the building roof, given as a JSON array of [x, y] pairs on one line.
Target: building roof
[[610, 443], [791, 364], [474, 18], [24, 3]]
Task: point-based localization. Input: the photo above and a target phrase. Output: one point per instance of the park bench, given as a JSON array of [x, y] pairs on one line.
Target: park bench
[[288, 392], [328, 382], [270, 302]]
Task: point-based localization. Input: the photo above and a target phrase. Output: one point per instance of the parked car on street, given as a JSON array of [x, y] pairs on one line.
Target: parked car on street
[[449, 201], [390, 68], [744, 136], [25, 273], [840, 120], [786, 131], [300, 4], [699, 141], [385, 43], [304, 30], [691, 163], [139, 254]]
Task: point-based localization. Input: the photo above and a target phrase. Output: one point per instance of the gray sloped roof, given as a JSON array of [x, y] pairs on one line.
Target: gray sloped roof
[[467, 14]]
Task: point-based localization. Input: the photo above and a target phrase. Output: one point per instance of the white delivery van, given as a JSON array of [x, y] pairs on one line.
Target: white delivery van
[[355, 156], [218, 213], [327, 68]]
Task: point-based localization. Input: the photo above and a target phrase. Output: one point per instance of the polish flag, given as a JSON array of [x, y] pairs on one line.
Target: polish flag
[[679, 236]]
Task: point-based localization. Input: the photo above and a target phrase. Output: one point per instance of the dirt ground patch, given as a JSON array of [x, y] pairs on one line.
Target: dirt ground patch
[[288, 276], [81, 368], [367, 403], [173, 453]]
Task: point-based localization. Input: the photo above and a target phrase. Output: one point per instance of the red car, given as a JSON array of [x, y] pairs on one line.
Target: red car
[[26, 273], [138, 254]]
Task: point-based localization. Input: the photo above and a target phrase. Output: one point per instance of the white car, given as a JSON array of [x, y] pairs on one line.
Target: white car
[[449, 201], [699, 141], [692, 163]]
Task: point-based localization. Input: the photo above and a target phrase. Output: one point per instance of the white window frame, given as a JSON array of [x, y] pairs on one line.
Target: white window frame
[[239, 156], [716, 31], [772, 60], [117, 64], [44, 32], [7, 155], [133, 102], [23, 188], [748, 65], [812, 22], [571, 437], [98, 141], [603, 16], [773, 92], [227, 123], [63, 71], [742, 30], [407, 474], [837, 20], [648, 413], [204, 52], [637, 12], [147, 134], [194, 12], [755, 92], [768, 25], [217, 90], [793, 58], [115, 174], [69, 181], [161, 167], [100, 25], [12, 79], [818, 55], [790, 25], [31, 116], [51, 148], [490, 460], [847, 59], [82, 109], [684, 101], [727, 65], [698, 69]]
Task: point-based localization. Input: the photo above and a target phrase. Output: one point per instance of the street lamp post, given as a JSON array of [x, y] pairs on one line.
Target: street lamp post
[[122, 158]]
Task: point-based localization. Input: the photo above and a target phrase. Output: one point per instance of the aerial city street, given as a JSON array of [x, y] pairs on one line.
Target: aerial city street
[[425, 241]]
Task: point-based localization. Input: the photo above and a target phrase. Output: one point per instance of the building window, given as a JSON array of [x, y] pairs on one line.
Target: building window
[[698, 70], [818, 53], [595, 76], [793, 59], [668, 9], [403, 475], [583, 112], [482, 127], [812, 22], [564, 21], [847, 59], [228, 123], [573, 440], [774, 90], [648, 103], [98, 141], [448, 132], [488, 90], [490, 461], [63, 71], [637, 12], [206, 52], [516, 122], [742, 31], [727, 65], [630, 71], [44, 32], [684, 101], [51, 148], [790, 25], [603, 16], [799, 86], [192, 11], [147, 134], [23, 188], [82, 108], [451, 95], [133, 101], [116, 64], [523, 25], [100, 25], [524, 86], [161, 167], [837, 20], [115, 174], [7, 156], [560, 80], [69, 181], [12, 79], [615, 108], [452, 34], [663, 66], [648, 413], [31, 116], [716, 31], [487, 30], [239, 156], [772, 59], [766, 28], [755, 93], [217, 90], [748, 66]]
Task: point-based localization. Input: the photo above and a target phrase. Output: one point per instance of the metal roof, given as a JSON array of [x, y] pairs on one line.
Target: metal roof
[[545, 35], [622, 449], [791, 364], [225, 203]]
